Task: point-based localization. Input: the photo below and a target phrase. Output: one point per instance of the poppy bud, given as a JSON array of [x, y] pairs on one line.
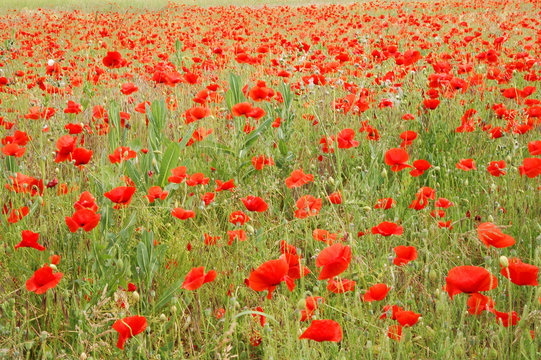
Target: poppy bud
[[43, 336], [492, 354], [436, 168], [83, 356], [508, 158], [504, 261], [250, 229], [136, 296], [152, 293], [173, 309], [466, 183], [301, 304], [163, 317], [384, 173], [331, 180], [493, 187], [53, 266], [154, 162], [432, 275], [490, 218]]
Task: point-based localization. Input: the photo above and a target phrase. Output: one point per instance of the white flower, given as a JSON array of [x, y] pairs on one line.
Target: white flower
[[50, 62]]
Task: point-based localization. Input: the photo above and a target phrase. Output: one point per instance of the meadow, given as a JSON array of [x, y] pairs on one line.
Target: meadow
[[299, 180]]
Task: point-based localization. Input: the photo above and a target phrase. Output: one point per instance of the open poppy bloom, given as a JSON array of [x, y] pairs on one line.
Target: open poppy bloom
[[477, 303], [420, 166], [156, 192], [129, 327], [377, 292], [30, 239], [269, 275], [395, 331], [182, 214], [43, 280], [323, 330], [345, 139], [407, 318], [83, 218], [466, 165], [298, 178], [334, 260], [307, 205], [521, 273], [469, 279], [197, 277], [491, 235], [531, 167], [387, 228], [121, 195], [396, 158], [255, 203], [340, 286], [404, 254]]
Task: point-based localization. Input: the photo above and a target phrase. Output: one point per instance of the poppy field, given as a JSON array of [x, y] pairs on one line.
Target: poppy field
[[358, 181]]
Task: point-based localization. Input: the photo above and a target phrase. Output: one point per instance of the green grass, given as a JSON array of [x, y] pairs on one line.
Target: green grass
[[74, 320]]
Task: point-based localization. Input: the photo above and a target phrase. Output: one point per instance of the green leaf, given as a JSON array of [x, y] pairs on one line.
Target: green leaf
[[169, 161], [252, 137], [186, 137]]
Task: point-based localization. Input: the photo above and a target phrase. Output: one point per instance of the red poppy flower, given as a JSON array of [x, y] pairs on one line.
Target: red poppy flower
[[466, 165], [296, 270], [308, 206], [120, 195], [223, 186], [156, 192], [323, 330], [73, 108], [495, 168], [404, 254], [86, 201], [420, 166], [17, 214], [443, 203], [407, 138], [431, 103], [521, 273], [113, 59], [129, 327], [324, 235], [387, 228], [469, 279], [534, 147], [334, 260], [178, 175], [340, 286], [197, 277], [239, 234], [531, 167], [83, 218], [377, 292], [385, 203], [197, 179], [506, 319], [241, 109], [491, 235], [298, 178], [335, 198], [255, 203], [345, 139], [64, 147], [477, 303], [312, 304], [395, 332], [122, 153], [260, 161], [81, 156], [407, 318], [269, 275], [128, 88], [14, 150], [30, 239], [182, 214], [43, 280], [396, 158], [238, 218]]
